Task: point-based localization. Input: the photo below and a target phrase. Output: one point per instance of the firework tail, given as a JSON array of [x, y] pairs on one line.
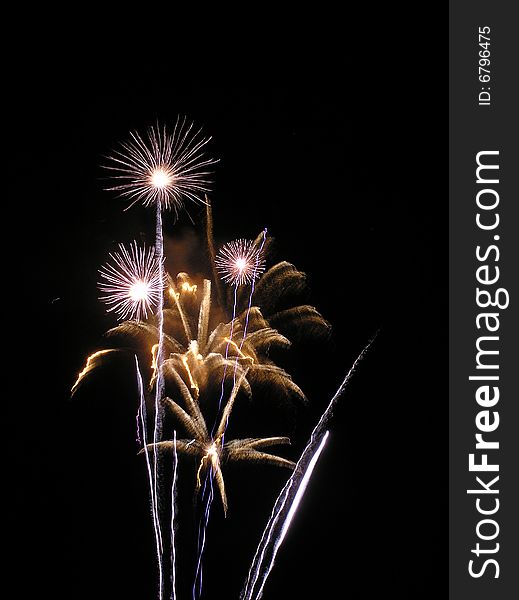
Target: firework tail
[[207, 491], [197, 587], [207, 500], [159, 388], [231, 333], [154, 511], [138, 437], [253, 285], [173, 518], [211, 251], [161, 171], [290, 496], [247, 314]]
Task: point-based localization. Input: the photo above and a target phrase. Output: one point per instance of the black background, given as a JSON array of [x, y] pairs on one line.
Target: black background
[[338, 148]]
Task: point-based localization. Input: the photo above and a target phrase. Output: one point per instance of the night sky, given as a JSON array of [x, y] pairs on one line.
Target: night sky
[[340, 152]]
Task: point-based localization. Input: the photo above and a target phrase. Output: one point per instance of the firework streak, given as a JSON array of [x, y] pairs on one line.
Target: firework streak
[[154, 509], [290, 497], [259, 266], [161, 170], [208, 492], [173, 516], [159, 388], [240, 262]]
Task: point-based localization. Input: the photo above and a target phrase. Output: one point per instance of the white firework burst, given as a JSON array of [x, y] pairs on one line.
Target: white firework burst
[[132, 282], [162, 168], [240, 262]]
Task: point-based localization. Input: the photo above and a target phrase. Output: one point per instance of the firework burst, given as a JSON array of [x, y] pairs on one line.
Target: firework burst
[[132, 282], [240, 262], [162, 169]]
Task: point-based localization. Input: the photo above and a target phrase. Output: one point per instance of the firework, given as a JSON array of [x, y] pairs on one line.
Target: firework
[[191, 356], [162, 169], [153, 497], [288, 500], [240, 262], [245, 258], [173, 518], [282, 515], [132, 282]]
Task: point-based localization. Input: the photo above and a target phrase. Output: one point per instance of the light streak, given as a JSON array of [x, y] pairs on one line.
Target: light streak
[[88, 364], [176, 297], [294, 505], [192, 383], [197, 585], [132, 282], [258, 258], [203, 315], [154, 350], [239, 262], [162, 168], [238, 349], [159, 380], [289, 497], [186, 287], [138, 437], [213, 455], [259, 265], [229, 341], [173, 517], [154, 505], [301, 489]]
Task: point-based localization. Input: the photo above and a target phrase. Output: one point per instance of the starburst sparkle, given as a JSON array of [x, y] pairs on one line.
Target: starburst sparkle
[[162, 168], [131, 282], [240, 262]]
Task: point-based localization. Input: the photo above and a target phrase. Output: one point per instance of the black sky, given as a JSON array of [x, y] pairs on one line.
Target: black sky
[[339, 149]]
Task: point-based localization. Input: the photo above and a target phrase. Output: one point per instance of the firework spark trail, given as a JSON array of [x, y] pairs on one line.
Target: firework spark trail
[[255, 273], [235, 266], [300, 491], [138, 437], [163, 170], [159, 387], [288, 500], [202, 529], [294, 494], [207, 500], [239, 263], [156, 526], [229, 340], [173, 517]]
